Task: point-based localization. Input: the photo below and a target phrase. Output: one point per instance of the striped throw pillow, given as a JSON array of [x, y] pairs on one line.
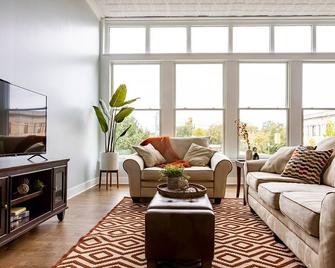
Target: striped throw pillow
[[307, 164]]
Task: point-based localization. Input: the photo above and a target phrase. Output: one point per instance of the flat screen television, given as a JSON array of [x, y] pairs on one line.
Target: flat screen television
[[23, 121]]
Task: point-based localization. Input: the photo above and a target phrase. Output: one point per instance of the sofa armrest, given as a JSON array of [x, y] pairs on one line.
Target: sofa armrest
[[134, 165], [221, 166], [327, 232], [253, 165]]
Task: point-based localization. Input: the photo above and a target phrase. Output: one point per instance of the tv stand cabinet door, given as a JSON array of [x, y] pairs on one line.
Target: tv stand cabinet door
[[59, 187], [3, 206]]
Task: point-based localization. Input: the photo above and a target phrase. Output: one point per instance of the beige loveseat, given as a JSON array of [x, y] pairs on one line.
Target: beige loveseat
[[301, 215], [143, 181]]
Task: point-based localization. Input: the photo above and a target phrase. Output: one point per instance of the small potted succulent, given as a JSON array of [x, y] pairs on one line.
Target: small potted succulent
[[176, 178]]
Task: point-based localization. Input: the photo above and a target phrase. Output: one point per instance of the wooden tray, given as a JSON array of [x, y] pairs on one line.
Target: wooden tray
[[193, 191]]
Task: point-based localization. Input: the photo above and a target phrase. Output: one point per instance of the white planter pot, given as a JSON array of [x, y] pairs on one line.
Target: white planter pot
[[109, 161]]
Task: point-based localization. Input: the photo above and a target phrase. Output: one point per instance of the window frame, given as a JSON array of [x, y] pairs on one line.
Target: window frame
[[139, 109], [303, 109], [201, 109], [287, 102], [230, 60]]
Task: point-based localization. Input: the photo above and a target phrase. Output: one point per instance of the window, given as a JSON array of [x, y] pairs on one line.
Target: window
[[199, 101], [293, 38], [127, 40], [325, 38], [209, 39], [263, 105], [319, 111], [142, 80], [251, 39], [168, 40]]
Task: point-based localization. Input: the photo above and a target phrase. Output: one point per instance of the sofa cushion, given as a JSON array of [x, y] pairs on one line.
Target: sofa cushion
[[181, 144], [277, 162], [270, 192], [150, 155], [195, 173], [303, 208], [307, 164], [198, 155], [256, 178]]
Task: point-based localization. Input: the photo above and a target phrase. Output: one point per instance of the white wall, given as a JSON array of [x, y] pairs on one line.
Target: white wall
[[53, 47]]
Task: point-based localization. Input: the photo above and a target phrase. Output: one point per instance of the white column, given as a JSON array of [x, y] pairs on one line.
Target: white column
[[295, 126], [167, 98]]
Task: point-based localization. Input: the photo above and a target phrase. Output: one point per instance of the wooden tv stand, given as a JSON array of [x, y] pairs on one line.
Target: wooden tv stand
[[42, 204]]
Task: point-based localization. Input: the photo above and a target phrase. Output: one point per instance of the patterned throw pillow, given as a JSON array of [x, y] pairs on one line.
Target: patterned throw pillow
[[307, 164]]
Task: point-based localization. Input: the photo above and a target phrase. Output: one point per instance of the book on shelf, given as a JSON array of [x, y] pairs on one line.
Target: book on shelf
[[20, 216], [17, 210], [18, 223]]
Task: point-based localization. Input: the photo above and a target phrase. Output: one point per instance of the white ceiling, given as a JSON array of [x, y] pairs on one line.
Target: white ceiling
[[215, 8]]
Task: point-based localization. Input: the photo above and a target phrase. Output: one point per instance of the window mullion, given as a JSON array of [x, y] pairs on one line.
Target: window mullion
[[295, 122], [167, 98]]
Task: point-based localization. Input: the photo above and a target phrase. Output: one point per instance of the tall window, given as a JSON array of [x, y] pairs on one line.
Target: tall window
[[127, 40], [142, 80], [168, 39], [293, 38], [263, 105], [318, 101], [199, 101], [251, 39]]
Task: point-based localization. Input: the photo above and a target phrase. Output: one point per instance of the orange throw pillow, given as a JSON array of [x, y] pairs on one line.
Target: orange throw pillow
[[163, 145], [179, 163]]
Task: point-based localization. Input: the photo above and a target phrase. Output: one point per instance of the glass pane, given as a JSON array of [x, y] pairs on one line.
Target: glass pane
[[209, 39], [201, 123], [318, 85], [251, 39], [142, 80], [325, 38], [127, 40], [143, 125], [58, 187], [267, 130], [293, 38], [168, 40], [318, 124], [199, 85], [263, 85]]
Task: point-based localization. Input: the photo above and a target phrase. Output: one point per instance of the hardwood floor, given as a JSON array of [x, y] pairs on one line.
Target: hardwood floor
[[44, 245]]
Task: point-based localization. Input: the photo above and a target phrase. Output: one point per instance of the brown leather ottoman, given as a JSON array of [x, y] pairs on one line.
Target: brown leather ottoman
[[179, 229]]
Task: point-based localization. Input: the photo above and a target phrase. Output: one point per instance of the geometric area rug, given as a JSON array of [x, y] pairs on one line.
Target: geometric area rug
[[241, 240]]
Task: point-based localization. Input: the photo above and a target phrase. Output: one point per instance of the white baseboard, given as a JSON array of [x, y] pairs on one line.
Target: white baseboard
[[80, 188]]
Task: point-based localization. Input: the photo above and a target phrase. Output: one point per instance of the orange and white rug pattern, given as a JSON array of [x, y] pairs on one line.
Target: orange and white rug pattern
[[241, 240]]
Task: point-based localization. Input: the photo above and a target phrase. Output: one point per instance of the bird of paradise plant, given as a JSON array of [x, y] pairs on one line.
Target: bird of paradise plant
[[110, 117]]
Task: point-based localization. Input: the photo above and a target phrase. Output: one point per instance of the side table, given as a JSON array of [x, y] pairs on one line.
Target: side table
[[239, 169], [109, 172]]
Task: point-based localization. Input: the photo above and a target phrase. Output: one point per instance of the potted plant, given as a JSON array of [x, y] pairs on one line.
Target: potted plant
[[109, 117], [242, 131], [176, 179]]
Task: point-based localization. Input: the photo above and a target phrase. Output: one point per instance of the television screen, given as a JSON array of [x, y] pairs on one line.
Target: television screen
[[23, 120]]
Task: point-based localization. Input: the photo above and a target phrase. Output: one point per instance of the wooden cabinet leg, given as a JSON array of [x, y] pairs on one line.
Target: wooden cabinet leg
[[117, 179], [111, 178], [61, 216]]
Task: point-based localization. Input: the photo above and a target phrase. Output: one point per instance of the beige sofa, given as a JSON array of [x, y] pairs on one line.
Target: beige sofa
[[301, 215], [143, 181]]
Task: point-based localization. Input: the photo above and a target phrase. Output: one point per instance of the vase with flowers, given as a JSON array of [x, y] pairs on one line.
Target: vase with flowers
[[242, 132]]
